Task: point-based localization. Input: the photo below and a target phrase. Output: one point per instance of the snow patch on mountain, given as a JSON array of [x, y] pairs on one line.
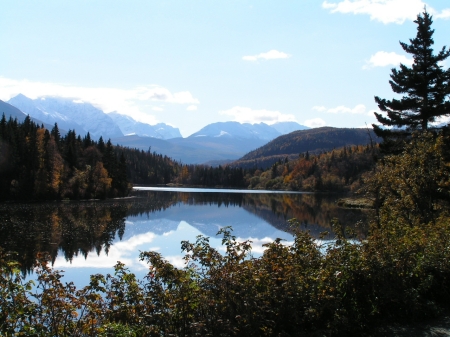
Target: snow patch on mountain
[[223, 133]]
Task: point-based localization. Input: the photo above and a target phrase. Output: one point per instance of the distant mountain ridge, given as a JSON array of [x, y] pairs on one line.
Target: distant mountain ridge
[[237, 130], [220, 142], [287, 127], [247, 131], [129, 126]]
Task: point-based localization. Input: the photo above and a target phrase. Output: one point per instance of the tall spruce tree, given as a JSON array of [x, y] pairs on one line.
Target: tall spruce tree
[[55, 133], [425, 87]]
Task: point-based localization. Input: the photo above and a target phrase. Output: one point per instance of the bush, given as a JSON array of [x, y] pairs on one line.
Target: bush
[[339, 287]]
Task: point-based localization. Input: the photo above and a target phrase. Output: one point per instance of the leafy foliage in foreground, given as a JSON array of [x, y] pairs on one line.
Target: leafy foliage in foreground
[[343, 287]]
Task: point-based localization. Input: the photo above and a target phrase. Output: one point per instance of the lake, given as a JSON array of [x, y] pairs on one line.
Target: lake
[[87, 237]]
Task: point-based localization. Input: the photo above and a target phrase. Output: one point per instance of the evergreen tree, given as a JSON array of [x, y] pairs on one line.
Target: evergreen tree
[[87, 140], [3, 126], [101, 145], [425, 86]]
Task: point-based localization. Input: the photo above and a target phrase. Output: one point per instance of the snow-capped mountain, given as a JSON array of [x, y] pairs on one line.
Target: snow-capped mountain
[[70, 114], [129, 126], [83, 117], [237, 130]]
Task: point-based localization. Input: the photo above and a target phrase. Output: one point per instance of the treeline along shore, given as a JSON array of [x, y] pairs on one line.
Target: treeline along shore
[[41, 164]]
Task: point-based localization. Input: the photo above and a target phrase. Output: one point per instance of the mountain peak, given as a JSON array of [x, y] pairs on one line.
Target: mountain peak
[[69, 115], [128, 126], [20, 97], [237, 130]]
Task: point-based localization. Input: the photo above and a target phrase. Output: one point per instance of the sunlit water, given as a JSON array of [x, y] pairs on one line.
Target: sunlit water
[[85, 238]]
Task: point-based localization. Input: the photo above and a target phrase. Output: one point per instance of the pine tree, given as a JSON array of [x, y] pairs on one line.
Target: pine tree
[[101, 145], [425, 88], [87, 140], [3, 126]]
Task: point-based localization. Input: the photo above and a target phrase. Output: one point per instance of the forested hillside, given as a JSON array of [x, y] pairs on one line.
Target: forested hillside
[[336, 170], [313, 141], [39, 164]]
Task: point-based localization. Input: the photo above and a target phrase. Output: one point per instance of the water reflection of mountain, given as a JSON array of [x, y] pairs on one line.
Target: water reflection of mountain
[[77, 228], [208, 219], [314, 212]]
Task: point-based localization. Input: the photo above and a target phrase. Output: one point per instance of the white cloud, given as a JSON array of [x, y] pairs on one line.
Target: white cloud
[[445, 14], [358, 109], [385, 11], [125, 101], [157, 108], [383, 59], [441, 120], [314, 123], [121, 251], [191, 108], [270, 55], [248, 115], [156, 93], [176, 260], [319, 108]]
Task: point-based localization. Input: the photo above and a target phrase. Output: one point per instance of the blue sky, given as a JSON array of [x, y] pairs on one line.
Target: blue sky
[[191, 63]]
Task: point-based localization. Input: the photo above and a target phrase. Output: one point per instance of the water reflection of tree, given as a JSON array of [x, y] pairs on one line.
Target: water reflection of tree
[[72, 228], [313, 211], [77, 228]]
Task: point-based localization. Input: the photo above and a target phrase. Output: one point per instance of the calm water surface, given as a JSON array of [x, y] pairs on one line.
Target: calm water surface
[[89, 237]]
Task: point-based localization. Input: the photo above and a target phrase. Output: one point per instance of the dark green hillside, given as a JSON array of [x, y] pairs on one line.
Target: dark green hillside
[[312, 141]]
